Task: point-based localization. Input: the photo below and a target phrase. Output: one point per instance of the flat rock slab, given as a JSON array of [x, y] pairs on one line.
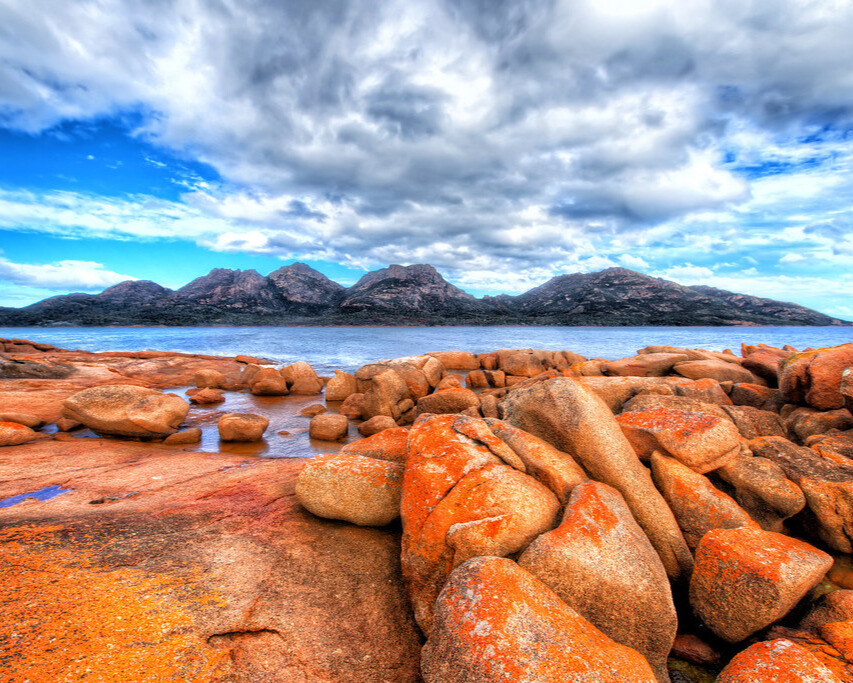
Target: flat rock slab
[[159, 564]]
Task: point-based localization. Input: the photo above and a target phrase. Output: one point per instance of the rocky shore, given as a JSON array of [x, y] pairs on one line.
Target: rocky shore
[[519, 515]]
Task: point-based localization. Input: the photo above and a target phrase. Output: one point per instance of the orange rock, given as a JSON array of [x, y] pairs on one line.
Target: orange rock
[[476, 379], [244, 427], [835, 447], [701, 441], [755, 395], [708, 390], [14, 434], [353, 406], [829, 608], [745, 579], [183, 437], [764, 361], [495, 622], [376, 424], [814, 377], [208, 377], [207, 396], [839, 634], [364, 491], [780, 661], [644, 365], [389, 444], [489, 406], [267, 382], [328, 427], [616, 391], [301, 379], [806, 422], [456, 360], [520, 363], [341, 386], [384, 394], [752, 422], [25, 419], [448, 401], [692, 648], [719, 370], [601, 564], [312, 410]]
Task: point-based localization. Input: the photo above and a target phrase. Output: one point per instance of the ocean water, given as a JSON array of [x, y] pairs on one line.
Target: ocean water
[[348, 348]]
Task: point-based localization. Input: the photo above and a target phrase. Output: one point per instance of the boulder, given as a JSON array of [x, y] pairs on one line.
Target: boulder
[[495, 378], [707, 390], [447, 401], [776, 660], [376, 424], [267, 382], [341, 386], [353, 488], [456, 360], [557, 470], [460, 501], [449, 382], [63, 424], [313, 410], [645, 365], [755, 395], [835, 447], [129, 411], [489, 405], [389, 444], [386, 391], [806, 422], [353, 406], [183, 437], [846, 388], [701, 441], [242, 427], [328, 427], [763, 490], [208, 377], [207, 396], [721, 371], [648, 401], [25, 419], [828, 609], [814, 377], [14, 434], [765, 361], [752, 422], [497, 623], [697, 504], [828, 488], [476, 379], [521, 364], [615, 391], [572, 418], [601, 564], [301, 379], [745, 579]]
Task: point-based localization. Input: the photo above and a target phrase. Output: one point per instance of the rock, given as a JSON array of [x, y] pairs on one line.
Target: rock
[[312, 410], [814, 377], [835, 447], [489, 406], [645, 365], [745, 579], [557, 470], [14, 434], [448, 401], [752, 422], [250, 360], [776, 660], [375, 425], [616, 391], [416, 381], [697, 504], [495, 622], [364, 491], [721, 371], [642, 402], [242, 427], [328, 427], [601, 564], [764, 361], [806, 422], [35, 369], [185, 436], [840, 636], [207, 396], [267, 382], [301, 379], [208, 377], [63, 424], [476, 379], [707, 390], [387, 390], [341, 386], [495, 378], [353, 406], [829, 608], [130, 411], [691, 648], [459, 501], [828, 488], [456, 360], [574, 420], [846, 388], [389, 444], [449, 382], [521, 364], [699, 440], [763, 490], [25, 419], [757, 396], [247, 376]]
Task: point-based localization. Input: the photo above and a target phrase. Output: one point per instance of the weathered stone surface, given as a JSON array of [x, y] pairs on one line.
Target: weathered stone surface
[[776, 660], [328, 427], [615, 391], [389, 444], [476, 379], [707, 390], [645, 365], [814, 377], [13, 434], [721, 371], [376, 424], [601, 564], [830, 608], [207, 396], [456, 360], [828, 487], [208, 377], [364, 491], [193, 567], [835, 447], [267, 382], [301, 379], [25, 419], [763, 490], [556, 469], [183, 437], [699, 440], [387, 390], [846, 388], [764, 361], [521, 363], [353, 406], [497, 623], [806, 422], [752, 422], [648, 401], [572, 418], [763, 398], [489, 405], [242, 427], [313, 410], [448, 401], [745, 579], [341, 386], [459, 501], [121, 410], [697, 504]]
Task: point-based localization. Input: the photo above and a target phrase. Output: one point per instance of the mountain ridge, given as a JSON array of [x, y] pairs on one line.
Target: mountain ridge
[[410, 295]]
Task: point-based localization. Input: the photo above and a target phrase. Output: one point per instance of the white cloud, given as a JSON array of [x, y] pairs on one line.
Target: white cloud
[[62, 275], [634, 262]]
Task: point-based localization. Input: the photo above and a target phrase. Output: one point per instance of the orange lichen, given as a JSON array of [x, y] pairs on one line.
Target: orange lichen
[[682, 423]]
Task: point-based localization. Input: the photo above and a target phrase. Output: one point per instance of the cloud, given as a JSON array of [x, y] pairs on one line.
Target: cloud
[[62, 275]]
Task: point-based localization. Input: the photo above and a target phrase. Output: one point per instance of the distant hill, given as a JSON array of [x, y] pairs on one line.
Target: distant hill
[[409, 295]]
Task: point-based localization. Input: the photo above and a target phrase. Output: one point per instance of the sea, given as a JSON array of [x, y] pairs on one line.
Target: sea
[[348, 348]]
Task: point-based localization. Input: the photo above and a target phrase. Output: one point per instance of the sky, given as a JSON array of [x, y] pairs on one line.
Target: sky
[[503, 142]]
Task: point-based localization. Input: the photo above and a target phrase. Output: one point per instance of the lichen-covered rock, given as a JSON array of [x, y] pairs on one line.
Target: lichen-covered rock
[[830, 608], [745, 579], [386, 391], [764, 361], [776, 660], [814, 377], [340, 387], [696, 503], [353, 406], [31, 421], [846, 388], [389, 444], [244, 427], [752, 422], [835, 447], [806, 422], [601, 564], [495, 623], [756, 396], [130, 411], [572, 418], [14, 434], [328, 427], [707, 390], [699, 440], [364, 491], [448, 401]]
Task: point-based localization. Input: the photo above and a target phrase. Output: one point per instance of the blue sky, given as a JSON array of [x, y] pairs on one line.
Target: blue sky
[[502, 142]]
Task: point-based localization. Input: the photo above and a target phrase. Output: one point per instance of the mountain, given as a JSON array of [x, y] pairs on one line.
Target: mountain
[[409, 295]]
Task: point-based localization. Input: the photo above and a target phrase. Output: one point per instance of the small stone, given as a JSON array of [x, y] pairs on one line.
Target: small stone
[[242, 427], [14, 434], [207, 396], [328, 427], [185, 436], [313, 410], [375, 425]]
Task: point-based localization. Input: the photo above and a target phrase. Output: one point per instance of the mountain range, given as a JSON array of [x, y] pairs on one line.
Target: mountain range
[[409, 295]]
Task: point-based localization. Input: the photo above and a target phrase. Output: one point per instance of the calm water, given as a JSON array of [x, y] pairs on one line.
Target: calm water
[[348, 348]]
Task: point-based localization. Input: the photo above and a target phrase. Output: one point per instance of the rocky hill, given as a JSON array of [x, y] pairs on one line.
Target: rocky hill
[[409, 295]]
